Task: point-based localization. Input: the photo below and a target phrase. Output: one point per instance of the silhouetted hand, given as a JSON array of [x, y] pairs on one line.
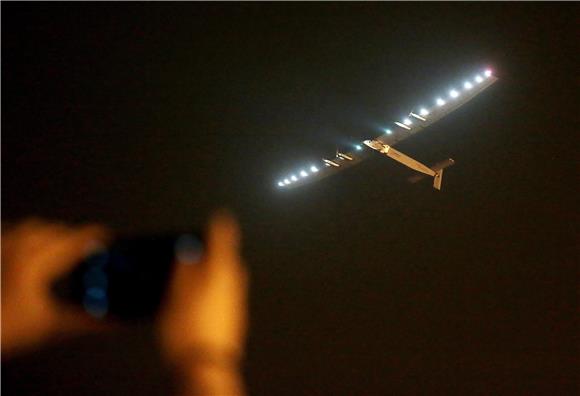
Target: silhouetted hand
[[203, 326], [34, 254]]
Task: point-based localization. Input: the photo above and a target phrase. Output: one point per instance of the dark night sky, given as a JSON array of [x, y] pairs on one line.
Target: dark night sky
[[147, 116]]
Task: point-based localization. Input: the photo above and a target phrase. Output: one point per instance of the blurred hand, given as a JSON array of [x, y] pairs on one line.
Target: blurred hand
[[203, 326], [34, 255]]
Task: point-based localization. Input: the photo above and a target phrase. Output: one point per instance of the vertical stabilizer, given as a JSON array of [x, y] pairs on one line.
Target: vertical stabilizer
[[438, 179]]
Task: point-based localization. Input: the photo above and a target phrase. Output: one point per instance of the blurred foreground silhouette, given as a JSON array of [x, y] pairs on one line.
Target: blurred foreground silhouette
[[200, 331]]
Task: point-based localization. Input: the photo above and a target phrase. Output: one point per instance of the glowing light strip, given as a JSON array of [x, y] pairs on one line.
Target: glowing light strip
[[402, 125], [417, 116]]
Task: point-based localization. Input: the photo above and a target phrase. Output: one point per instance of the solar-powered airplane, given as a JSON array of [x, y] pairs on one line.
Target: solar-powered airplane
[[408, 126]]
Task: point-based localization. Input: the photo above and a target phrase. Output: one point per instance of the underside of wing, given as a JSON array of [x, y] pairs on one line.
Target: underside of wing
[[424, 117], [416, 121], [324, 168]]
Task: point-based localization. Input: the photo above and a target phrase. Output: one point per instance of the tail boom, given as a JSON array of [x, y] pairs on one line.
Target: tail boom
[[438, 170], [435, 171]]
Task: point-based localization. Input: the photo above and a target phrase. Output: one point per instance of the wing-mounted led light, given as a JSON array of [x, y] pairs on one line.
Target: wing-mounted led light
[[453, 93], [417, 116], [303, 173], [487, 73], [293, 178], [330, 163], [344, 156], [388, 131], [402, 125], [467, 85], [424, 112], [478, 79], [313, 169], [440, 102]]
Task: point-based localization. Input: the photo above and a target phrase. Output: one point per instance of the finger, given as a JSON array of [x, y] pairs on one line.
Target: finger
[[40, 228], [227, 272], [23, 247], [223, 240], [183, 279], [223, 257], [31, 235], [70, 248]]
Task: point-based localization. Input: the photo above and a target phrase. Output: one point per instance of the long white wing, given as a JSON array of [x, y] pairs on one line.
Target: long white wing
[[417, 121]]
